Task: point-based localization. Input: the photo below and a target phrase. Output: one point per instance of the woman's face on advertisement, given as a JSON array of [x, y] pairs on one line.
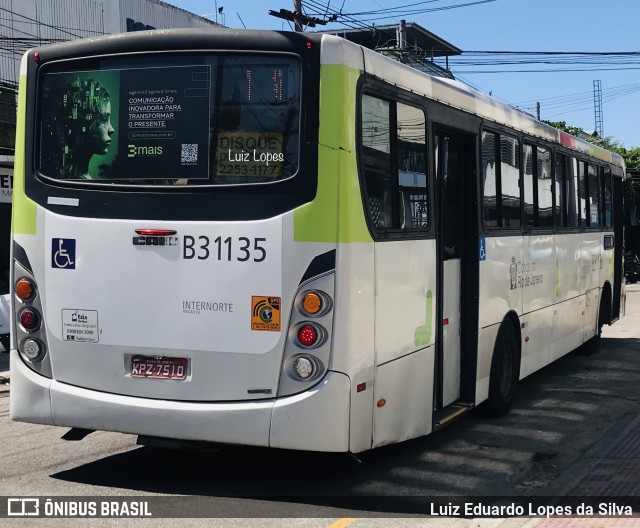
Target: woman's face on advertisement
[[101, 130]]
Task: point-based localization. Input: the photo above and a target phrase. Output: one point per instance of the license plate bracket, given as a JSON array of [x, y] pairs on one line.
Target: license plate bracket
[[159, 367]]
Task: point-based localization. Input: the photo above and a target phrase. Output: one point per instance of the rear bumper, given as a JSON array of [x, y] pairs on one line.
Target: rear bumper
[[317, 420]]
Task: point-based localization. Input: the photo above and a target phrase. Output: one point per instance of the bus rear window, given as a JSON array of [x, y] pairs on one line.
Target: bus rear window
[[196, 120]]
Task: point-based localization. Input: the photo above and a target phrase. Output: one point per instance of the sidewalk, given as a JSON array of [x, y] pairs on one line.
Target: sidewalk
[[612, 466]]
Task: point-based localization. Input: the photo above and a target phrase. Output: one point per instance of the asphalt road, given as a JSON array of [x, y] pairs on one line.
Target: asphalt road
[[560, 412]]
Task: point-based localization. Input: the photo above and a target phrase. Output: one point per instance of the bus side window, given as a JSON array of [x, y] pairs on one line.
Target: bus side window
[[571, 183], [393, 153], [529, 188], [566, 191], [582, 193], [510, 181], [501, 181], [545, 192], [594, 196], [538, 196], [607, 203], [412, 167], [376, 160], [490, 182]]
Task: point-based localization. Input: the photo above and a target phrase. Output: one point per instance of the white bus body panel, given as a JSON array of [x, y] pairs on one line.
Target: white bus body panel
[[199, 308], [451, 338], [316, 420], [536, 274], [405, 301], [353, 336], [109, 267], [500, 292], [405, 298], [407, 388], [554, 289], [567, 317]]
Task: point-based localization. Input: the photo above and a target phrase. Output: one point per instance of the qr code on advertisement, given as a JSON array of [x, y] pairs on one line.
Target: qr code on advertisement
[[189, 153]]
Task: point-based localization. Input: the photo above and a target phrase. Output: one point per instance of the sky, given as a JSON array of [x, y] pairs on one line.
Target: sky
[[503, 25]]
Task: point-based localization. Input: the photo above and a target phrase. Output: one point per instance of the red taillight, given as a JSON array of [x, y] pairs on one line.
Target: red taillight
[[307, 335], [29, 319], [635, 261]]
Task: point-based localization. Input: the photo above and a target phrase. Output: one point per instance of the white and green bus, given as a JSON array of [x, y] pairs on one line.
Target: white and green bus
[[287, 240]]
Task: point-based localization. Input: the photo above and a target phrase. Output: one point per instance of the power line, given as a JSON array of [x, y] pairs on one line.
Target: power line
[[400, 12], [404, 14], [384, 10], [577, 100], [314, 9], [590, 106], [568, 61], [624, 86]]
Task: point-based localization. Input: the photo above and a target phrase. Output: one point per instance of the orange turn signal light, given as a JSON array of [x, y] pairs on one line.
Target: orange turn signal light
[[24, 289], [312, 303]]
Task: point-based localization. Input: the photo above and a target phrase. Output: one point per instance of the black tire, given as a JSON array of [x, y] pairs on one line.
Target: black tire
[[505, 371]]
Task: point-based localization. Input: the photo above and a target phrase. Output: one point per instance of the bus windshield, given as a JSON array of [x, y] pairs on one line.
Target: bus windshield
[[182, 120]]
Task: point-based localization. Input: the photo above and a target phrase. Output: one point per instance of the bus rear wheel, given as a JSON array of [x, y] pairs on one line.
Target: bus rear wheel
[[505, 370]]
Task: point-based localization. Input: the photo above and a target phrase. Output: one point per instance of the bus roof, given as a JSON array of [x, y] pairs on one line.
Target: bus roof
[[458, 95]]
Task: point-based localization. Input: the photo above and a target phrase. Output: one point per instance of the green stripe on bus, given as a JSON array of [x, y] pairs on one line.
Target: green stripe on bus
[[336, 214], [422, 335], [23, 213]]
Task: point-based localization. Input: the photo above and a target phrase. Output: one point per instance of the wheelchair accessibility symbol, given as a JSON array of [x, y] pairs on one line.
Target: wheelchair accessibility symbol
[[63, 253]]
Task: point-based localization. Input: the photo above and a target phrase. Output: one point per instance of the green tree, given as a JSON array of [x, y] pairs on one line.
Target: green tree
[[631, 156]]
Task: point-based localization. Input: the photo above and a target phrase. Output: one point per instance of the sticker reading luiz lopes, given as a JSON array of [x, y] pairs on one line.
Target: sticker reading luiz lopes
[[250, 153]]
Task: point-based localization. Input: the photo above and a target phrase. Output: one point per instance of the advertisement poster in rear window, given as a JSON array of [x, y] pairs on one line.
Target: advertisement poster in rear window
[[127, 124]]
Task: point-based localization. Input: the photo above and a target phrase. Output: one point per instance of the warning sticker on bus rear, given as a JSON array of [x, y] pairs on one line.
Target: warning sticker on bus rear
[[265, 313], [80, 326]]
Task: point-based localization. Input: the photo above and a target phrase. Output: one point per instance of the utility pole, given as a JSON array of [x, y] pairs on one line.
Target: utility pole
[[297, 12], [597, 107], [402, 35], [538, 110], [299, 19]]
